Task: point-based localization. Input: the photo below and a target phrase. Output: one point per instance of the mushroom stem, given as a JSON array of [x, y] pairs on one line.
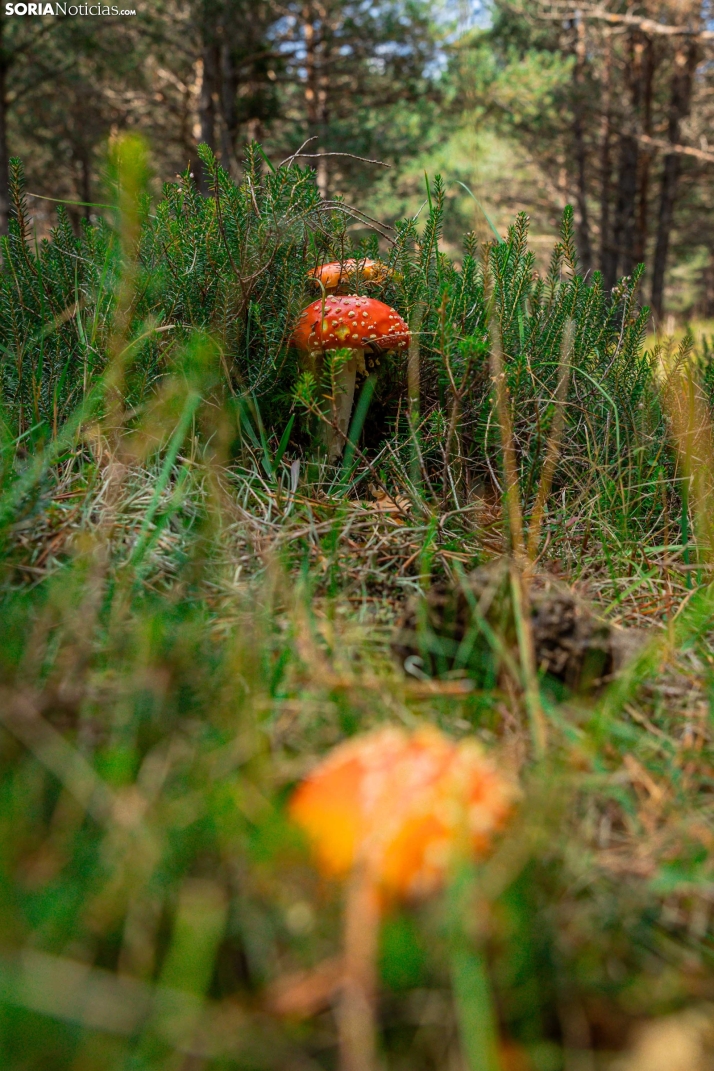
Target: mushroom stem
[[356, 1013], [343, 393]]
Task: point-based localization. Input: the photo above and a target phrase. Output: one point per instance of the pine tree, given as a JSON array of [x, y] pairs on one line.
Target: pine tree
[[586, 93]]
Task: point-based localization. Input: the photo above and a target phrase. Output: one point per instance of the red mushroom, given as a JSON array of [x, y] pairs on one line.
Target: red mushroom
[[402, 805], [398, 815], [340, 276], [359, 324]]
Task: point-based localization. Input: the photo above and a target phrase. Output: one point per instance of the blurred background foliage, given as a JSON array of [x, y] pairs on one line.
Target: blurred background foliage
[[531, 106]]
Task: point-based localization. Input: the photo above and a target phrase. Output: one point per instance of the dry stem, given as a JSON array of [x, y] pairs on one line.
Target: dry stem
[[553, 448], [356, 1013]]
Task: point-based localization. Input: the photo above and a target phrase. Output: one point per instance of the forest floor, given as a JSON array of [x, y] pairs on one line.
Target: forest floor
[[276, 614]]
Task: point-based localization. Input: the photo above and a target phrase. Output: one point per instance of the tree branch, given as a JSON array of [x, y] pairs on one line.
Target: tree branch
[[680, 150], [636, 22]]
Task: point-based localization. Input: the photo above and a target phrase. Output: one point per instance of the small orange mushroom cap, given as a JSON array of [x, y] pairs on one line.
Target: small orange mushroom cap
[[349, 322], [341, 274], [404, 806]]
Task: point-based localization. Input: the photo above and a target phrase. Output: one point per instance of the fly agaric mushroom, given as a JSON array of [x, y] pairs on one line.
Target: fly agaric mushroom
[[338, 275], [361, 325], [394, 813], [403, 807]]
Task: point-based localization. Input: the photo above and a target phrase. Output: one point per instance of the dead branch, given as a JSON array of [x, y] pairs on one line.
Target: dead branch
[[681, 150], [566, 12]]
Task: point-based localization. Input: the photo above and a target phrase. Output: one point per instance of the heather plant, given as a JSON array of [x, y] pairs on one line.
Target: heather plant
[[614, 425], [232, 264], [235, 264]]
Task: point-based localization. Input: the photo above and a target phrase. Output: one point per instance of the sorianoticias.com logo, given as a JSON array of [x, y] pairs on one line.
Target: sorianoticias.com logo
[[65, 9]]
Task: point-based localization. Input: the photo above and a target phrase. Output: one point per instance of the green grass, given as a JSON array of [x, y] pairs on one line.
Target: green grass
[[187, 624]]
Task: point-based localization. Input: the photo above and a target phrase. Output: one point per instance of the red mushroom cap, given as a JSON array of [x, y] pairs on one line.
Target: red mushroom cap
[[350, 322], [405, 806], [337, 274]]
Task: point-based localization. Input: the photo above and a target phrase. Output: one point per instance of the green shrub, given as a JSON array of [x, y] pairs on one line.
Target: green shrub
[[235, 265]]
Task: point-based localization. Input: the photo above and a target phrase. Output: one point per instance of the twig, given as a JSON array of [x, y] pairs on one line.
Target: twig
[[679, 150], [82, 204], [636, 22], [289, 159], [526, 652], [510, 466], [414, 389], [351, 155], [554, 440], [519, 581]]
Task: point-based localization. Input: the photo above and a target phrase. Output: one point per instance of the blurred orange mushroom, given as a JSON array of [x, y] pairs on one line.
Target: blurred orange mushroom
[[394, 813], [340, 276], [405, 807]]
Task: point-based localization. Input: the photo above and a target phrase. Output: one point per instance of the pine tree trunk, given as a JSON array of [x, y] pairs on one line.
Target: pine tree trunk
[[707, 299], [86, 171], [667, 198], [605, 255], [583, 232], [311, 44], [643, 193], [229, 116], [626, 215], [207, 105], [619, 253], [322, 175], [685, 64], [316, 85], [624, 245], [4, 154]]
